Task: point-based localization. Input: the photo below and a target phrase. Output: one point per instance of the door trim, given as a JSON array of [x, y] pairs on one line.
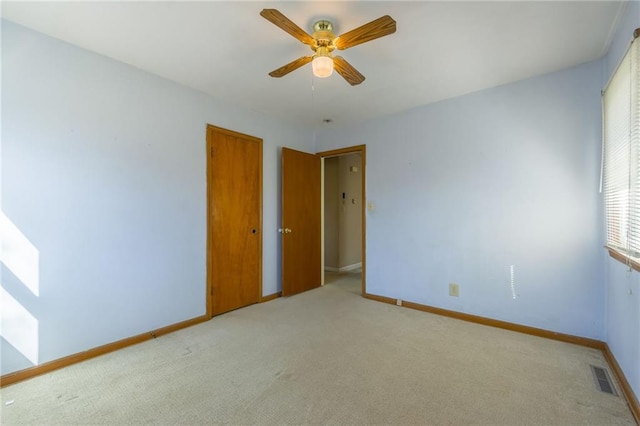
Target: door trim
[[208, 154], [362, 149]]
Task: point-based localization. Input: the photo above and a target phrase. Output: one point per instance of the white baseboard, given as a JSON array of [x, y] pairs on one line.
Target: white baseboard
[[344, 268], [350, 267]]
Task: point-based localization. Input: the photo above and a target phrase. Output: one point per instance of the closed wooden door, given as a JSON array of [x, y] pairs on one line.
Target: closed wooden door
[[301, 233], [234, 182]]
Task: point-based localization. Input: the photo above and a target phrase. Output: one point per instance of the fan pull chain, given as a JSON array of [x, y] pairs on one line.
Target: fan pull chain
[[313, 89]]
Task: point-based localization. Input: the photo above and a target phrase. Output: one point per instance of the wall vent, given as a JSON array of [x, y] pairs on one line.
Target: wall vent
[[603, 381]]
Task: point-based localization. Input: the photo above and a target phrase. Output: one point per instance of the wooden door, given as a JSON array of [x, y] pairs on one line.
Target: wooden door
[[301, 234], [234, 182]]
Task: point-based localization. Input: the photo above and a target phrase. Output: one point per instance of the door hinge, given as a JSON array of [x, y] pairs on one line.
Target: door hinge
[[211, 153]]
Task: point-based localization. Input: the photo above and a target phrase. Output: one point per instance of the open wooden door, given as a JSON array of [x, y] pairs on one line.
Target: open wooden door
[[301, 231]]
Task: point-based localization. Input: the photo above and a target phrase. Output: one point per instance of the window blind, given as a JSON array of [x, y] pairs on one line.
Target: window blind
[[621, 171]]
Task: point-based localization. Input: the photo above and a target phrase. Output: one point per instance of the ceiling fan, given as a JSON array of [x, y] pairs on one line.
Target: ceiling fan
[[323, 42]]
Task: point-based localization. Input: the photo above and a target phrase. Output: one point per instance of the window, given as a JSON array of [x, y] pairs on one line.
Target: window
[[621, 169]]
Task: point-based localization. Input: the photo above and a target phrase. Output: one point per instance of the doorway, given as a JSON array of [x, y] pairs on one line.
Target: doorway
[[343, 222]]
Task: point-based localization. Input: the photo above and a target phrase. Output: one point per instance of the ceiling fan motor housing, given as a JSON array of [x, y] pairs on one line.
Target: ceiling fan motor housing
[[323, 36]]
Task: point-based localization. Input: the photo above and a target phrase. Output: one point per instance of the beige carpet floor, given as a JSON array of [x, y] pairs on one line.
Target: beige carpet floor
[[327, 356]]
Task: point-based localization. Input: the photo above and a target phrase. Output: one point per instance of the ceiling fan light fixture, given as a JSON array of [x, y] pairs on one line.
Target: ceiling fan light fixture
[[322, 63], [322, 66]]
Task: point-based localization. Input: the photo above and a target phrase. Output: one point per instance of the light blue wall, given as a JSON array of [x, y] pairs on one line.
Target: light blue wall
[[103, 172], [623, 287], [465, 188]]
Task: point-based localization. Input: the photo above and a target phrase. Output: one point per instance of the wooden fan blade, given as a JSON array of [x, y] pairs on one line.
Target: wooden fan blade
[[275, 17], [375, 29], [347, 71], [291, 66]]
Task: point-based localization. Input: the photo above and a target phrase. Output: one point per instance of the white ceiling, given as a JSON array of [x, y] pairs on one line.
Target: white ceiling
[[226, 49]]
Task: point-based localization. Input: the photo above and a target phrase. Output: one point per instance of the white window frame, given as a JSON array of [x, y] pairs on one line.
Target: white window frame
[[621, 158]]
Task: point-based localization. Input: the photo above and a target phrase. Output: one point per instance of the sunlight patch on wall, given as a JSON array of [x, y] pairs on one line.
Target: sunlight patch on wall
[[19, 327], [19, 255]]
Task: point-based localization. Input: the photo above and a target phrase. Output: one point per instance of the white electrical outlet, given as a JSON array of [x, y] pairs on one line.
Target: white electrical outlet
[[398, 302], [454, 290]]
